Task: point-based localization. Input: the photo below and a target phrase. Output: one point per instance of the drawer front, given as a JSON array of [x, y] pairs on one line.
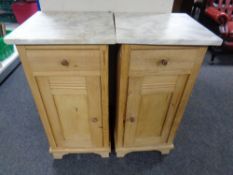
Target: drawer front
[[160, 60], [61, 60]]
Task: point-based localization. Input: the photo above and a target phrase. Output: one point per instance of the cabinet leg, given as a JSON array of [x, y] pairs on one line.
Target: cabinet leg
[[104, 154], [58, 155], [165, 151], [121, 154]]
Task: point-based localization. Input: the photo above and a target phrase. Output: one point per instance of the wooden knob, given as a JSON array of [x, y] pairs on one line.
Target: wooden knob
[[132, 119], [64, 62], [164, 62], [94, 120]]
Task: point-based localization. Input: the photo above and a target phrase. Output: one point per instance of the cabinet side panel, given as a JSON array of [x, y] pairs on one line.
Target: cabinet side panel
[[36, 94], [122, 85], [104, 94], [187, 93]]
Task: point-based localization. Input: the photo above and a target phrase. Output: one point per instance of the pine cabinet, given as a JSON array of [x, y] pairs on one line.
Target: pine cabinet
[[67, 70], [154, 83], [70, 87]]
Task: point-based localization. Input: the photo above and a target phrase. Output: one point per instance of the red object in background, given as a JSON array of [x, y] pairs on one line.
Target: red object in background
[[23, 10], [218, 16], [221, 12]]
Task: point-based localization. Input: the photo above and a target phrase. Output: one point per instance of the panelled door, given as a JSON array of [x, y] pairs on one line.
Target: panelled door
[[73, 105], [151, 106]]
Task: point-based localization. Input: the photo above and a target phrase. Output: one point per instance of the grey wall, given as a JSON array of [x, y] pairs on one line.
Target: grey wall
[[157, 6]]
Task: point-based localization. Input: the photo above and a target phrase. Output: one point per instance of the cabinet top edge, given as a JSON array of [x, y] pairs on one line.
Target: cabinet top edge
[[65, 28], [162, 29]]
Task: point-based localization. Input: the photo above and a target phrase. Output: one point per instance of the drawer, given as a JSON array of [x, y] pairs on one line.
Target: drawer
[[158, 60], [60, 60]]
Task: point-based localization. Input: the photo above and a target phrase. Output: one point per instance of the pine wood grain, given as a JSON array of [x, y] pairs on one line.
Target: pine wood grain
[[152, 94], [71, 95]]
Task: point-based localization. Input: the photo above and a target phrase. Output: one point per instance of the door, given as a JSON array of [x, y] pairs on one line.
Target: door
[[73, 106], [151, 107]]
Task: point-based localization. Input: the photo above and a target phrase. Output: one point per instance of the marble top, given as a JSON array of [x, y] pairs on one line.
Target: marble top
[[65, 28], [162, 29]]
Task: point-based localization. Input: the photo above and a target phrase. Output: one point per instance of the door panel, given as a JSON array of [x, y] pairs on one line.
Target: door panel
[[151, 106], [74, 110], [73, 116]]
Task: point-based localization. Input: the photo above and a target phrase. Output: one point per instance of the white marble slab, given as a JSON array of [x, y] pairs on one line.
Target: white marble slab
[[65, 28], [162, 29]]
